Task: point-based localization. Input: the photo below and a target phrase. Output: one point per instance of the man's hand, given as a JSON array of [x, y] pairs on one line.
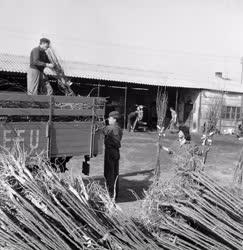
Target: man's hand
[[50, 65]]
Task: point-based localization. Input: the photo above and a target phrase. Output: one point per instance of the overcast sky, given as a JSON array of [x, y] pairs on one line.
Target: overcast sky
[[189, 38]]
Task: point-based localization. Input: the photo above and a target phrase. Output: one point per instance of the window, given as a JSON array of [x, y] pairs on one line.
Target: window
[[231, 113], [238, 116]]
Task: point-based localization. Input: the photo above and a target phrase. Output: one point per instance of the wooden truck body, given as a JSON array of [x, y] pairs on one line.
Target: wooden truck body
[[59, 126]]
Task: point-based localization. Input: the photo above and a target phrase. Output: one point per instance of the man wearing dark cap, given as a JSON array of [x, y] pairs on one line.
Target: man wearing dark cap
[[38, 61], [113, 136]]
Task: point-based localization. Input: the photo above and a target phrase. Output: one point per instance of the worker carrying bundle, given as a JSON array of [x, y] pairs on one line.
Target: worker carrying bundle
[[38, 62], [113, 136]]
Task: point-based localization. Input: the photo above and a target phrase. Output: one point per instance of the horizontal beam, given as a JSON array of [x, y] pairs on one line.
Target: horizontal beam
[[43, 98], [45, 112], [23, 97]]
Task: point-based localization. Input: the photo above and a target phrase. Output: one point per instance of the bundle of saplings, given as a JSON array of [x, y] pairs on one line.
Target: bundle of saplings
[[193, 211], [39, 210]]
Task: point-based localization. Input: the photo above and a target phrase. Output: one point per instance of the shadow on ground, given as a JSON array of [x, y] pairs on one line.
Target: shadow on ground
[[131, 185]]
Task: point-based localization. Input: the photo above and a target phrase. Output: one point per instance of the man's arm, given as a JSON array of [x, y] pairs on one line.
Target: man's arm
[[114, 137]]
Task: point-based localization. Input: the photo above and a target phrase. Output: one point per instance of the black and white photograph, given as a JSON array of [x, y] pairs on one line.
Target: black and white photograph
[[121, 124]]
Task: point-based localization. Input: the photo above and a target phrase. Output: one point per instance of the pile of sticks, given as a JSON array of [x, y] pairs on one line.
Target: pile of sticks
[[161, 108], [63, 82], [39, 210], [194, 212]]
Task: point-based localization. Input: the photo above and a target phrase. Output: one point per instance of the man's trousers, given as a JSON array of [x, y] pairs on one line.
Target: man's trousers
[[34, 79], [36, 84], [111, 171]]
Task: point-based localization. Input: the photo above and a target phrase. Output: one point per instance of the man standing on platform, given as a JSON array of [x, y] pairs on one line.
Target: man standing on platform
[[113, 136], [38, 61]]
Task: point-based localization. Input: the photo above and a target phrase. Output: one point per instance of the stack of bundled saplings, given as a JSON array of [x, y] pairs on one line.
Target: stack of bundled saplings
[[194, 212], [62, 80], [40, 211]]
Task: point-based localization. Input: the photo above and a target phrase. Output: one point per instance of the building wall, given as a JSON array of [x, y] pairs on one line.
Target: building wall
[[230, 113]]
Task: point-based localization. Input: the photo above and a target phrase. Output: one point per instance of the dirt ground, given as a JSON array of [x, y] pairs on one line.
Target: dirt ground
[[138, 156]]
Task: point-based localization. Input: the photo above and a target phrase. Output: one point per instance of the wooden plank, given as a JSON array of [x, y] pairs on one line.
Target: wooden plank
[[24, 112], [23, 97], [74, 140], [74, 124], [73, 99], [45, 112], [68, 138], [72, 112], [43, 98]]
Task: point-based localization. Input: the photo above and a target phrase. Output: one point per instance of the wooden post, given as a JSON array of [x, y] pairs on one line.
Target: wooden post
[[176, 102], [49, 128], [241, 80], [220, 113], [125, 109], [159, 146], [241, 109], [98, 92], [199, 112], [92, 129]]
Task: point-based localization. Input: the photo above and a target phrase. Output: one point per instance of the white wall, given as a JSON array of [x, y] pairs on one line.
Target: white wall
[[207, 99]]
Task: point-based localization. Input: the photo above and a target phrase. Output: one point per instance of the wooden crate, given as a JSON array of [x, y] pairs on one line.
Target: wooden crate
[[67, 138], [64, 138]]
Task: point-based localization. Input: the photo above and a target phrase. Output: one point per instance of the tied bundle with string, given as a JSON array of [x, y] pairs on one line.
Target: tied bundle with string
[[193, 211], [63, 83], [39, 210]]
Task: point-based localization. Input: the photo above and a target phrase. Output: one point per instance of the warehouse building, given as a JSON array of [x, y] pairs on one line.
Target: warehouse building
[[126, 87]]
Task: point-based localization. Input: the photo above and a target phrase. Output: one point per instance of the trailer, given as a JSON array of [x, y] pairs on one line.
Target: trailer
[[59, 127]]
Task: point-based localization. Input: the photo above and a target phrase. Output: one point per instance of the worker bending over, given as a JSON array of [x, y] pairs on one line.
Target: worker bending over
[[38, 61], [113, 136]]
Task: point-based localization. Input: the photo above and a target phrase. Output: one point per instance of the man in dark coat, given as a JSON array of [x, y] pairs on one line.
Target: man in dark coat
[[113, 136], [38, 61]]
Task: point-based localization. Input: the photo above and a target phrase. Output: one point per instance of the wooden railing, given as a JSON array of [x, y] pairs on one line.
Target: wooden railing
[[60, 105]]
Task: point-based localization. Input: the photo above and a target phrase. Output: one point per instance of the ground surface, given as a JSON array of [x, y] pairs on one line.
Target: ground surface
[[138, 157]]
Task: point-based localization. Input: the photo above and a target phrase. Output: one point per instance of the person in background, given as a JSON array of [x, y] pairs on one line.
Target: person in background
[[183, 149], [113, 135], [173, 121], [239, 132], [131, 118], [38, 61], [184, 138]]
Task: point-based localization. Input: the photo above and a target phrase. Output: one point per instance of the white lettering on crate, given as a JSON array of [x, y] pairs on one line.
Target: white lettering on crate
[[37, 136], [30, 138]]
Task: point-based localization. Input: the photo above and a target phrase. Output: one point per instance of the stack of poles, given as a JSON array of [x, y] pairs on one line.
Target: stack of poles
[[203, 216], [43, 212], [161, 108]]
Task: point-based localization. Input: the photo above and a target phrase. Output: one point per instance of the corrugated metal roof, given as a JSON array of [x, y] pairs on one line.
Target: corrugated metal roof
[[20, 64], [13, 63]]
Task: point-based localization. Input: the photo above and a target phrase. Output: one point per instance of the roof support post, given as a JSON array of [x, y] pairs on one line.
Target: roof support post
[[125, 108], [176, 101], [199, 112]]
